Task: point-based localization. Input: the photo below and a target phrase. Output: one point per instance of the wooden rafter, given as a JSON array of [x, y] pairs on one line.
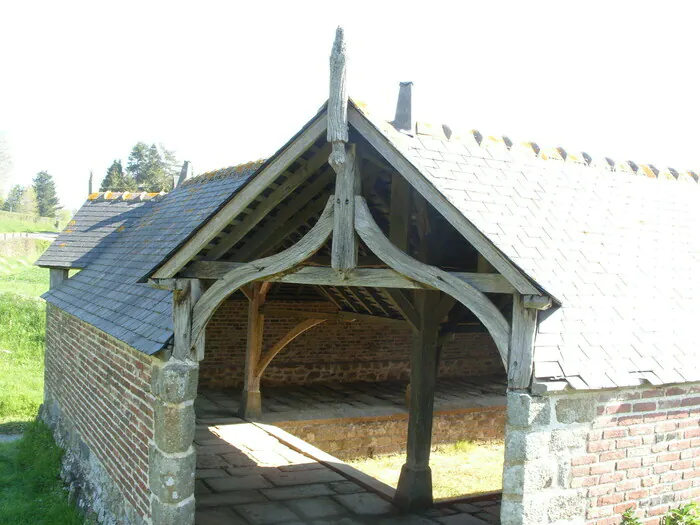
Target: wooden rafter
[[262, 268], [294, 180], [381, 144], [288, 220], [334, 316], [243, 198], [434, 277]]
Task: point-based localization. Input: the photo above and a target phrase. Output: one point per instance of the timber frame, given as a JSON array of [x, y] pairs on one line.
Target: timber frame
[[292, 209]]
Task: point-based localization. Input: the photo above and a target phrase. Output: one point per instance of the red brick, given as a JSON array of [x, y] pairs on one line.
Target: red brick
[[644, 407]]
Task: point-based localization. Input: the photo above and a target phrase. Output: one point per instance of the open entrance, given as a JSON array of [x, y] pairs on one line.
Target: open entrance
[[342, 385]]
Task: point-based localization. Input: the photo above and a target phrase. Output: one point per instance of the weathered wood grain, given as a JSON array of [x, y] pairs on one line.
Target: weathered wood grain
[[338, 102], [363, 277], [283, 342], [441, 204], [334, 316], [522, 342], [294, 180], [244, 198], [433, 277], [262, 268], [344, 247]]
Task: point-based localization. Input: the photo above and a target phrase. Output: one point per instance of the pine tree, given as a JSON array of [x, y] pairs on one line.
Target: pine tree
[[117, 180], [152, 170], [45, 192]]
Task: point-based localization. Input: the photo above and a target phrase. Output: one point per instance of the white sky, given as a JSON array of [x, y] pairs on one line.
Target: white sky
[[227, 82]]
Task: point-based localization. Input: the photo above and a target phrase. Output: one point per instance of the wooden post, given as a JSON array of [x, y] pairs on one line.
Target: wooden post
[[522, 340], [344, 248], [415, 488], [57, 276], [251, 402]]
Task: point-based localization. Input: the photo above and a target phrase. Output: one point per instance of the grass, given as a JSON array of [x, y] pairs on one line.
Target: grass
[[30, 489], [19, 222], [18, 275], [462, 468], [21, 360]]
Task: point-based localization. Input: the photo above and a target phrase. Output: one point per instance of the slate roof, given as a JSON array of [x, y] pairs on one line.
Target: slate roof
[[616, 243], [118, 240]]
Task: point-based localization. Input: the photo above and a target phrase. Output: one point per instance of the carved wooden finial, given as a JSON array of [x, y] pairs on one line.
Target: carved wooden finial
[[338, 103]]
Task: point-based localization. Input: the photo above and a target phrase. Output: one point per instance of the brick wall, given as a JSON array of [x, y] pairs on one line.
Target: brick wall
[[359, 437], [101, 388], [587, 457], [332, 351]]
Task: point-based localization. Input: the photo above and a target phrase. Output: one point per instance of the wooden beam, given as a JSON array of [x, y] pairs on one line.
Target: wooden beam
[[404, 306], [186, 292], [283, 342], [279, 163], [364, 277], [328, 296], [262, 268], [522, 342], [415, 490], [57, 276], [294, 180], [433, 277], [537, 302], [285, 222], [251, 401], [339, 316], [399, 214], [482, 244], [344, 249]]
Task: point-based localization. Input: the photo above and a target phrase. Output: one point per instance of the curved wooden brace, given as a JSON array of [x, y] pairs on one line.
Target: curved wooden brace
[[284, 341], [478, 303], [261, 268]]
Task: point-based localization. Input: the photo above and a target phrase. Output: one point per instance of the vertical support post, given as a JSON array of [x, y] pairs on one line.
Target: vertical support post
[[522, 341], [399, 216], [251, 401], [347, 182], [57, 276], [172, 457], [415, 488]]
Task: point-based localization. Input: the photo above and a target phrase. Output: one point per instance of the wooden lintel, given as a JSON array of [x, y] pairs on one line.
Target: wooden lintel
[[347, 317], [365, 277], [537, 302]]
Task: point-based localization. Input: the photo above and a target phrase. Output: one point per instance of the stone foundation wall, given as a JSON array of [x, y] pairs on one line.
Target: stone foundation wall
[[332, 351], [98, 401], [585, 458], [359, 437]]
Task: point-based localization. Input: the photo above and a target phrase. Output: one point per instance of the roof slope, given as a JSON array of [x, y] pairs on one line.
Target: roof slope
[[620, 251], [117, 241]]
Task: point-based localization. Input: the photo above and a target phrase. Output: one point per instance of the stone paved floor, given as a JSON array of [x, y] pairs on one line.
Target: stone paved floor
[[246, 476], [330, 401]]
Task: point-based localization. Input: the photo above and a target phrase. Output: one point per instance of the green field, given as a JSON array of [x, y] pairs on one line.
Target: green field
[[18, 222], [18, 275], [30, 491]]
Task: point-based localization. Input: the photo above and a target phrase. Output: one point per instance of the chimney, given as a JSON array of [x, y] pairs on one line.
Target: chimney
[[403, 120], [90, 184], [185, 173]]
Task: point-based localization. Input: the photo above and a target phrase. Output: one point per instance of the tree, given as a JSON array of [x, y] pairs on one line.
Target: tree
[[45, 191], [14, 199], [117, 180], [152, 169], [28, 203]]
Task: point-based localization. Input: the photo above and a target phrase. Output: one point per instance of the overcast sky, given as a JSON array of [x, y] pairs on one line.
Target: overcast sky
[[227, 82]]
